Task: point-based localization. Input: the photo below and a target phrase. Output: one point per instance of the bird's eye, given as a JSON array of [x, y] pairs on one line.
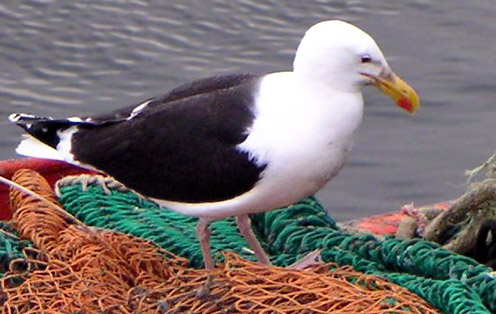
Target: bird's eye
[[366, 59]]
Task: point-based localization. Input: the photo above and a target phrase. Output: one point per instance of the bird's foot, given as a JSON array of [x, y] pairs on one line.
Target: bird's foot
[[311, 259], [85, 180], [205, 288]]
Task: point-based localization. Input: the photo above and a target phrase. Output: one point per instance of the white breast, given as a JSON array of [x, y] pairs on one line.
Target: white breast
[[303, 134]]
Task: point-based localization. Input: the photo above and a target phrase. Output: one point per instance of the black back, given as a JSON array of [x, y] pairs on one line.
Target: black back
[[202, 86]]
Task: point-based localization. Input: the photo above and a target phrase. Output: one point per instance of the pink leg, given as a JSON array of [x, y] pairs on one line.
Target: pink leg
[[204, 236], [311, 259], [244, 225]]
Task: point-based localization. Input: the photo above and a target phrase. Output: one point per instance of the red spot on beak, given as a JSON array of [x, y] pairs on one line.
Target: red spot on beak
[[405, 104]]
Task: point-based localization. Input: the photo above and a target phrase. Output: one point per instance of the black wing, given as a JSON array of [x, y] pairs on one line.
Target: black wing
[[181, 147]]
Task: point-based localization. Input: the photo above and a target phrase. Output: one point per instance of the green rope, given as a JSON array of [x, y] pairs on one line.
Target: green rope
[[422, 267], [11, 248], [128, 213]]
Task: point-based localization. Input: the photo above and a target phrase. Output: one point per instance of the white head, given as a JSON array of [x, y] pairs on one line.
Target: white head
[[344, 57]]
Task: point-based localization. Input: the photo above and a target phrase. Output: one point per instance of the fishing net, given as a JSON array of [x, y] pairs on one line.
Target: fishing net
[[451, 282], [71, 267]]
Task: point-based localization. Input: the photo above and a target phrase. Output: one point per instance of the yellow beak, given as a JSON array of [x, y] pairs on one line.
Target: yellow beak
[[404, 95]]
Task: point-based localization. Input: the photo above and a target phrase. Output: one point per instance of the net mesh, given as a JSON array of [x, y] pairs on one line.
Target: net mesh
[[75, 268], [451, 282]]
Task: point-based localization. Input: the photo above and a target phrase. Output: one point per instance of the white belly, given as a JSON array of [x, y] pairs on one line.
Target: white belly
[[285, 181]]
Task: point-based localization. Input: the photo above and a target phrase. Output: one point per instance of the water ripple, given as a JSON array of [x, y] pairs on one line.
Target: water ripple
[[61, 57]]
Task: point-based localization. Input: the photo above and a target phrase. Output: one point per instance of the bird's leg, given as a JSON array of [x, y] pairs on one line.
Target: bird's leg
[[244, 225], [204, 237]]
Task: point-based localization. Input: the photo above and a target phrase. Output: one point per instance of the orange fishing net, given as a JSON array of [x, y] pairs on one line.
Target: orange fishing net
[[79, 269]]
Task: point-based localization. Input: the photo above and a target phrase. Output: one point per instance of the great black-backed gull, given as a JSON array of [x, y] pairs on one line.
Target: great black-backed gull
[[237, 144]]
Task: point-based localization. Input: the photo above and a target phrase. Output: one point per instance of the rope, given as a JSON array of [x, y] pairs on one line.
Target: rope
[[91, 270], [434, 273]]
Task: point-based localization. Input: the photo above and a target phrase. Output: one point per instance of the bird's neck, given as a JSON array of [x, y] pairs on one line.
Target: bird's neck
[[295, 102]]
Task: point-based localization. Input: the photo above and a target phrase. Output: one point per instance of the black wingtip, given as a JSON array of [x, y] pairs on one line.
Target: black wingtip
[[15, 117], [42, 128], [24, 118]]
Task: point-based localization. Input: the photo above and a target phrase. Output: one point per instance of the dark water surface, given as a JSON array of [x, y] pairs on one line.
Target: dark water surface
[[70, 57]]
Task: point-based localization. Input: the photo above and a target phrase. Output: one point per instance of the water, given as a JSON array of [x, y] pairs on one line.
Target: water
[[64, 58]]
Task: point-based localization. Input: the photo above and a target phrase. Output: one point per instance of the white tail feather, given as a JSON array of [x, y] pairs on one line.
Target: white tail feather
[[30, 146]]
